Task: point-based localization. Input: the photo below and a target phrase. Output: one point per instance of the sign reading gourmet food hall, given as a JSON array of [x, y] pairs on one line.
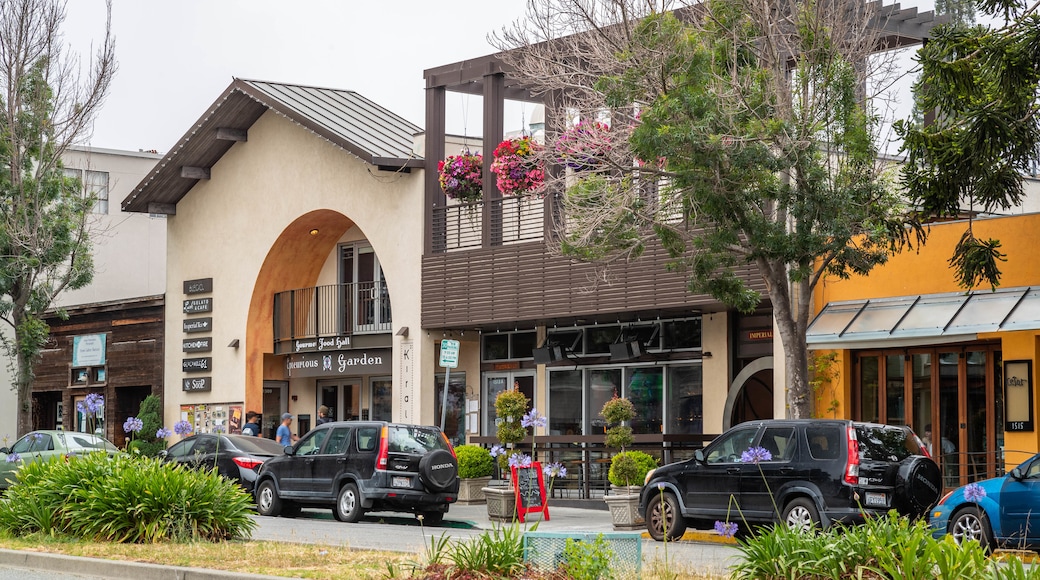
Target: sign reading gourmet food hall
[[334, 364], [322, 343]]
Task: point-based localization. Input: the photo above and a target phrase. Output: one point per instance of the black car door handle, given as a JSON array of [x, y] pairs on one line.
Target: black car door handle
[[733, 470], [786, 470]]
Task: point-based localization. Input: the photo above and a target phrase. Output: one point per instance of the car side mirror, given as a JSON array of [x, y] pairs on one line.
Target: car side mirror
[[163, 454], [1016, 473], [699, 456], [289, 451], [4, 450]]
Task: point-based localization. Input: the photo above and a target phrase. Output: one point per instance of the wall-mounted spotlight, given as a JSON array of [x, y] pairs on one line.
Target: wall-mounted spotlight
[[314, 231]]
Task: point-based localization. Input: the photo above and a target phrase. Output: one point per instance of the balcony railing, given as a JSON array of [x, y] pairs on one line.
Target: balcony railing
[[512, 220], [335, 310]]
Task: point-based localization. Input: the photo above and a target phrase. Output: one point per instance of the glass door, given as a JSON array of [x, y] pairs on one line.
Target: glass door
[[382, 402], [343, 398], [361, 272], [495, 383]]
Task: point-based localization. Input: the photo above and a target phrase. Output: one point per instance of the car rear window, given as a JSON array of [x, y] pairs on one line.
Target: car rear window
[[259, 445], [412, 439], [883, 443]]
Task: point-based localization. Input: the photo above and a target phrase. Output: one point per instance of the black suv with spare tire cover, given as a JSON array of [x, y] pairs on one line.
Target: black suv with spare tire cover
[[819, 472], [359, 466]]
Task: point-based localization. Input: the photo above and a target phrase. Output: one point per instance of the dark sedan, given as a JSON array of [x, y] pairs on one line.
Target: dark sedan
[[236, 457]]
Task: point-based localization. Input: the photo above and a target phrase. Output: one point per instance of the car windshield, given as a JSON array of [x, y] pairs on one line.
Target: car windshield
[[412, 439], [884, 443], [258, 445]]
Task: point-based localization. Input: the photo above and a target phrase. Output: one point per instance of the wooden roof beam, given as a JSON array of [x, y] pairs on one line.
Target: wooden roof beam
[[230, 134], [189, 172]]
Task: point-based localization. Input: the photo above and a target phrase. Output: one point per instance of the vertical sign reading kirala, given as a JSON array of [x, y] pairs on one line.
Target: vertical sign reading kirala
[[189, 307]]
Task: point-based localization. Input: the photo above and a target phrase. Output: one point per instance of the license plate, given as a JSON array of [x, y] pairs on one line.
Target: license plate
[[398, 481], [875, 499]]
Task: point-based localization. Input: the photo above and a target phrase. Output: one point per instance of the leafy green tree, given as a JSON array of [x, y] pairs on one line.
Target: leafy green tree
[[146, 443], [980, 134], [47, 105], [740, 137]]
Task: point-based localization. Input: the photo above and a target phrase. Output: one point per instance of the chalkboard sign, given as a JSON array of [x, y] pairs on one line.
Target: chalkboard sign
[[529, 489]]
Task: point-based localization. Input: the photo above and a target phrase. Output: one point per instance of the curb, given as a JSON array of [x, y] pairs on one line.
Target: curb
[[706, 536], [62, 564]]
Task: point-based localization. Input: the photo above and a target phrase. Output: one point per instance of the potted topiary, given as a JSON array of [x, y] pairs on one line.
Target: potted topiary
[[510, 408], [628, 469], [475, 468]]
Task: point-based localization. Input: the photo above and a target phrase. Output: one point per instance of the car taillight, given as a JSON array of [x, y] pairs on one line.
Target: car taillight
[[945, 497], [852, 462], [922, 447], [384, 450], [450, 446], [247, 462]]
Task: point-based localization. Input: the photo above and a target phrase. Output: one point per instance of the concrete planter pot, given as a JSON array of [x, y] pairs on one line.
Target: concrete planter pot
[[501, 503], [471, 490], [623, 503]]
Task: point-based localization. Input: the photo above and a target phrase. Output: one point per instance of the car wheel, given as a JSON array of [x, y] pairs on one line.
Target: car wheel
[[267, 501], [432, 518], [664, 519], [348, 504], [438, 470], [801, 515], [969, 524]]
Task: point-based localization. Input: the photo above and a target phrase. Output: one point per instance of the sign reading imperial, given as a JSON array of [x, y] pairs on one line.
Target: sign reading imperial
[[334, 364]]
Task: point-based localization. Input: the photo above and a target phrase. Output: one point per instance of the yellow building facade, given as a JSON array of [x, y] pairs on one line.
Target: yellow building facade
[[905, 345]]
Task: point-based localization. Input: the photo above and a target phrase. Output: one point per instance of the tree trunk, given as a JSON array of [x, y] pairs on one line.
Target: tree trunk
[[23, 379], [791, 303]]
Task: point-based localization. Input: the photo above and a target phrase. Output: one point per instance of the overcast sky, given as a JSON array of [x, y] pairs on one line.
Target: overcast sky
[[177, 56]]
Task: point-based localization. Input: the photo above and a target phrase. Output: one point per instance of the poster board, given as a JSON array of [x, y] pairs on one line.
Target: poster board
[[529, 491]]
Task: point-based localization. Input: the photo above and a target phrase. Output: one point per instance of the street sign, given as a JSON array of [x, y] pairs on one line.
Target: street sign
[[449, 354]]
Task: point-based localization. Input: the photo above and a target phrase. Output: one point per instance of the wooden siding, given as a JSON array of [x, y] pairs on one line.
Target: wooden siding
[[523, 283]]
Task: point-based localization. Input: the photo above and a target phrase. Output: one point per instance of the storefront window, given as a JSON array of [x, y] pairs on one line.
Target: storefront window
[[685, 408], [382, 401], [455, 419], [603, 385], [645, 390], [565, 403], [868, 381], [895, 379], [922, 389], [508, 345]]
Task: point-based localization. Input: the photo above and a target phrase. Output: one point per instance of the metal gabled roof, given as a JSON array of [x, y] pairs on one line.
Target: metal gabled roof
[[350, 121]]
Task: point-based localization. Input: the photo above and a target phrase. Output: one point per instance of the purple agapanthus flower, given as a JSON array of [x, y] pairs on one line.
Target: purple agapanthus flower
[[726, 529], [755, 455], [162, 433], [519, 460], [497, 450], [533, 419], [13, 458], [219, 429], [37, 437], [660, 487], [132, 425], [974, 492], [91, 404], [182, 428], [555, 470]]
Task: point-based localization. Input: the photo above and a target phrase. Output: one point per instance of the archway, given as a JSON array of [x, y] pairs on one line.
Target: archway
[[750, 394]]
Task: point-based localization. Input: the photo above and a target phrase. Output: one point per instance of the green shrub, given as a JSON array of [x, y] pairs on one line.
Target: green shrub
[[884, 547], [587, 560], [630, 467], [146, 443], [510, 407], [474, 461], [125, 498]]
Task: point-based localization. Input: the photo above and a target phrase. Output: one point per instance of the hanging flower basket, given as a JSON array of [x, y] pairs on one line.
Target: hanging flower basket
[[461, 176], [583, 146], [516, 169]]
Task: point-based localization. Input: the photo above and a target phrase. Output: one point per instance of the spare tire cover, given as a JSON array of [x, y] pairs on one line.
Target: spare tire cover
[[920, 482], [438, 470]]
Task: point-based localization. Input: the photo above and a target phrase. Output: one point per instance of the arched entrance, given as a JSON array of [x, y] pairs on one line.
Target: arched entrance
[[750, 394]]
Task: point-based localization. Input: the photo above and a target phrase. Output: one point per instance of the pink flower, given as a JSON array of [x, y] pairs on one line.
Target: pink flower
[[515, 167], [461, 176]]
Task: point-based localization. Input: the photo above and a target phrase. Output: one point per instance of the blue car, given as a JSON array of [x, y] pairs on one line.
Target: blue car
[[1003, 512]]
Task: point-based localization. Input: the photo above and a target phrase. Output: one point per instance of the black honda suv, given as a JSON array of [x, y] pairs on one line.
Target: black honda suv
[[359, 466], [818, 472]]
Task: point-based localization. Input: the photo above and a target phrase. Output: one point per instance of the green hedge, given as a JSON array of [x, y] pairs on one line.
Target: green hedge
[[125, 498]]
